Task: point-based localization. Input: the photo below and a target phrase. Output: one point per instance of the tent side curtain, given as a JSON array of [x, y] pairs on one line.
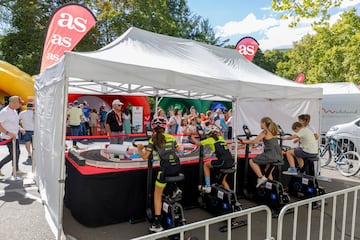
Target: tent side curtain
[[282, 111], [49, 142]]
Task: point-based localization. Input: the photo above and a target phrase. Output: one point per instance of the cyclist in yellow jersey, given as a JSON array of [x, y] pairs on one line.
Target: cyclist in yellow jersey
[[166, 147], [220, 148]]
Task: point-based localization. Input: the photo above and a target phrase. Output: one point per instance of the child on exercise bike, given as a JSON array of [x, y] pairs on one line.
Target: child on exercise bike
[[309, 148], [220, 148], [304, 119], [166, 147], [272, 151]]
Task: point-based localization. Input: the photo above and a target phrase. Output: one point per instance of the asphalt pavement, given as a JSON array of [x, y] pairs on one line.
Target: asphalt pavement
[[22, 214]]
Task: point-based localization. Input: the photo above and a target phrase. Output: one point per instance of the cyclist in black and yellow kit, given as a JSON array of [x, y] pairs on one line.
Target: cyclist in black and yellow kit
[[220, 148], [166, 147]]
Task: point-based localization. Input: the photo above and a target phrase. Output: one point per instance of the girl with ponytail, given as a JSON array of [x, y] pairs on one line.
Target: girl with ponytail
[[272, 151]]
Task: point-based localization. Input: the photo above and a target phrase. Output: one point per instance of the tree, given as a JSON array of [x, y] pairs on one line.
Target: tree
[[22, 43], [269, 59], [304, 9], [331, 55]]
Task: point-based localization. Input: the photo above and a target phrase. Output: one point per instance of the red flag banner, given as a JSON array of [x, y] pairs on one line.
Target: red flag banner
[[67, 26], [300, 78], [247, 46]]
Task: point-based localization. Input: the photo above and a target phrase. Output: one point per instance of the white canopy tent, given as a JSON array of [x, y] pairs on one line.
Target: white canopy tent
[[145, 63], [340, 104]]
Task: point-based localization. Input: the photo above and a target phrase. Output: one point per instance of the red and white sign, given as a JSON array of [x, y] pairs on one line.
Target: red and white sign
[[67, 26], [300, 78], [247, 46]]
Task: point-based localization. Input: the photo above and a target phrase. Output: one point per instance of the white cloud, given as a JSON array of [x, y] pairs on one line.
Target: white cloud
[[349, 3], [250, 24], [282, 36], [273, 33], [276, 32]]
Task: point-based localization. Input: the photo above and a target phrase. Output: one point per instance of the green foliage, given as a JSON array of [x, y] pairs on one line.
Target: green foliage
[[296, 10], [268, 60], [331, 55]]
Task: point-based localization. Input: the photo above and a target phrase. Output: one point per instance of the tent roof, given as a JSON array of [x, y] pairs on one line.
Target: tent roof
[[145, 63], [339, 88]]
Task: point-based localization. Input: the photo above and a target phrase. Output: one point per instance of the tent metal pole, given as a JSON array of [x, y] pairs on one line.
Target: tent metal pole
[[62, 165], [235, 124], [157, 101]]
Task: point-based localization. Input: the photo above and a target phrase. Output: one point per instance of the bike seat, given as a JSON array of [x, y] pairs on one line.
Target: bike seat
[[227, 170], [313, 159], [280, 163], [172, 179]]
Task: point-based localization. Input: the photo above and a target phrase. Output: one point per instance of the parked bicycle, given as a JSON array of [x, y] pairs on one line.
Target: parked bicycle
[[347, 162]]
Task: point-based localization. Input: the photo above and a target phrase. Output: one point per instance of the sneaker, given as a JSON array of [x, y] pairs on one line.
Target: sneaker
[[261, 181], [156, 227], [206, 189], [177, 193], [28, 161], [291, 171]]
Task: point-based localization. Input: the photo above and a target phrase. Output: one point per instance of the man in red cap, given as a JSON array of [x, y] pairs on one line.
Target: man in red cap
[[9, 128]]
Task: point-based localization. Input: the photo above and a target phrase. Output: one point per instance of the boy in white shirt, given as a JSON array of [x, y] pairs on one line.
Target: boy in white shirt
[[309, 147]]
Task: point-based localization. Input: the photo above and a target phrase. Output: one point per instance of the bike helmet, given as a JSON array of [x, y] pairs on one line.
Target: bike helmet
[[210, 129], [158, 122]]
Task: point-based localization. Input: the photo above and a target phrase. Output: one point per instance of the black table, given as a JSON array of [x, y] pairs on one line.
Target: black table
[[109, 196], [103, 196]]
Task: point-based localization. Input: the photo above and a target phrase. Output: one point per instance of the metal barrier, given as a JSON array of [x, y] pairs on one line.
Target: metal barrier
[[206, 225], [14, 157], [317, 227]]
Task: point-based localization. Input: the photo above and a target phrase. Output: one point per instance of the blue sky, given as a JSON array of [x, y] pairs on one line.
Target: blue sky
[[234, 19]]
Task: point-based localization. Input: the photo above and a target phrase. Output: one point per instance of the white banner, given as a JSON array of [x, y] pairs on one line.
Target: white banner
[[137, 118]]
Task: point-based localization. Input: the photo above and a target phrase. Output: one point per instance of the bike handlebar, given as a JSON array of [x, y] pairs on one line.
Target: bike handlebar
[[143, 139]]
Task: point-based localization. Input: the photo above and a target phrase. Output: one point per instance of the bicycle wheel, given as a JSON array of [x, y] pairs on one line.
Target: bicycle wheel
[[325, 155], [348, 163]]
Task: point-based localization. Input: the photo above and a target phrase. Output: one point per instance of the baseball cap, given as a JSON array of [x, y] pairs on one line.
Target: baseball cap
[[117, 102], [76, 102], [29, 105]]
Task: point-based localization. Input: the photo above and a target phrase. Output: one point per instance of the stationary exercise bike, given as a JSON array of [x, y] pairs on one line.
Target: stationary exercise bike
[[272, 192], [219, 200], [304, 185], [172, 213]]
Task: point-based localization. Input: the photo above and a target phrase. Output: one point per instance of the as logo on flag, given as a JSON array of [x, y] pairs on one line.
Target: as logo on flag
[[247, 46], [300, 78], [67, 26]]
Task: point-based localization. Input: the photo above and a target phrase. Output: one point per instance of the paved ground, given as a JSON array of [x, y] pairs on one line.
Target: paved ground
[[22, 213]]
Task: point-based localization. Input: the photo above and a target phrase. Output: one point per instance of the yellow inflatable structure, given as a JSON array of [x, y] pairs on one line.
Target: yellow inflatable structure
[[13, 81]]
